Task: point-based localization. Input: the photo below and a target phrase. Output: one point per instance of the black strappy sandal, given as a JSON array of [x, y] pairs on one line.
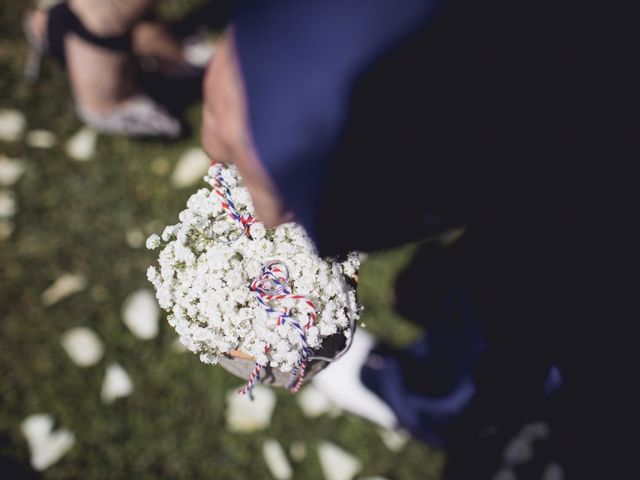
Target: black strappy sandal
[[137, 116]]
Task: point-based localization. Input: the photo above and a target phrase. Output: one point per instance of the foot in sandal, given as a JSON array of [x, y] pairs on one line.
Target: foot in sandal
[[101, 70]]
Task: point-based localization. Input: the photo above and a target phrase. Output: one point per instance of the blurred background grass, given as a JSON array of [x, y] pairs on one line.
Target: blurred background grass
[[75, 217]]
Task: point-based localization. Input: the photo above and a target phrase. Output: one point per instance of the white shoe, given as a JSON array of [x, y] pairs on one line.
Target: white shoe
[[138, 116], [341, 384]]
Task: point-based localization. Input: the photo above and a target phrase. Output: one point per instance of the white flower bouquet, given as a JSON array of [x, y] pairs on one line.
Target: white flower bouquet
[[258, 300]]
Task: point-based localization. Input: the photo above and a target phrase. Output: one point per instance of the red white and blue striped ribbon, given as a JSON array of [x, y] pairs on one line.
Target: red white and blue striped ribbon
[[269, 287], [224, 193]]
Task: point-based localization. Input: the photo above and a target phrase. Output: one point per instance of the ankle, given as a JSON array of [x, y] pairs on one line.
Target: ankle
[[99, 20]]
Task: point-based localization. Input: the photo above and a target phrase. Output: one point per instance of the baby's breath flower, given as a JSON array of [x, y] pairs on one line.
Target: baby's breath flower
[[153, 242], [206, 268]]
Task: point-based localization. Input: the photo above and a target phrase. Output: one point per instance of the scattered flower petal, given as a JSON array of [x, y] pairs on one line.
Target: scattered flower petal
[[198, 49], [395, 440], [298, 451], [520, 448], [11, 169], [82, 145], [243, 415], [190, 169], [276, 460], [535, 431], [140, 313], [65, 285], [517, 451], [116, 384], [553, 471], [312, 402], [46, 446], [337, 464], [135, 238], [12, 124], [40, 139], [83, 346], [8, 207], [505, 474]]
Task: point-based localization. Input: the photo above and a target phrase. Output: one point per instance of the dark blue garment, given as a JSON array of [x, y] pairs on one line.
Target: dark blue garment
[[300, 61], [384, 121], [431, 383]]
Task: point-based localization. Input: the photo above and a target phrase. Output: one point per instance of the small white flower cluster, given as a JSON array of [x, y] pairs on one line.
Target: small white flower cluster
[[208, 264]]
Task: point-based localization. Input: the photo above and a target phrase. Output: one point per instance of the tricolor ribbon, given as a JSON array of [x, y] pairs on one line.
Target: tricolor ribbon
[[271, 286], [223, 191]]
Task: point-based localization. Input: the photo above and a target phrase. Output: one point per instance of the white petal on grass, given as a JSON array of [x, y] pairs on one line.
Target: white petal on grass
[[505, 474], [140, 313], [243, 415], [312, 402], [6, 229], [298, 451], [191, 167], [12, 124], [116, 384], [276, 460], [198, 49], [8, 206], [82, 145], [517, 451], [65, 285], [520, 448], [535, 431], [395, 440], [83, 346], [11, 169], [337, 464], [40, 139], [553, 471], [135, 238], [46, 446]]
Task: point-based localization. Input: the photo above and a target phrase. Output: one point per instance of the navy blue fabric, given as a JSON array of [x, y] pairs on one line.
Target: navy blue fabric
[[300, 61], [430, 383], [383, 121]]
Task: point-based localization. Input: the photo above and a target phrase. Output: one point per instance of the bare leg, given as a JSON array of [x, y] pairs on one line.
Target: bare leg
[[110, 17], [102, 78]]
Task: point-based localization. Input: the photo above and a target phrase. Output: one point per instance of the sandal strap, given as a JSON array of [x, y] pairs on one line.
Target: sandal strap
[[63, 20]]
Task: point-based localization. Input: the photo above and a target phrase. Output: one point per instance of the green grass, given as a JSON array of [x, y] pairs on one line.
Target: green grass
[[74, 217]]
